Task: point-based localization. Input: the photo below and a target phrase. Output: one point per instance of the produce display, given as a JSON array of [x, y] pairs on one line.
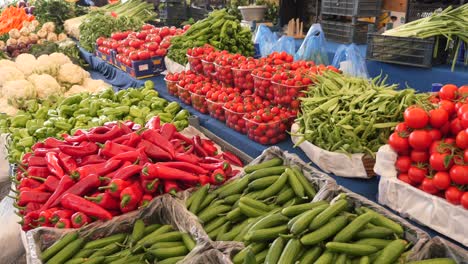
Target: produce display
[[57, 11], [220, 30], [41, 120], [352, 115], [154, 242], [432, 146], [112, 169], [12, 18]]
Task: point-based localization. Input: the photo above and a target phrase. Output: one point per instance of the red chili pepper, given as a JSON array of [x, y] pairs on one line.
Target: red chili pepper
[[143, 157], [130, 197], [153, 151], [121, 139], [26, 197], [40, 172], [198, 147], [37, 161], [25, 158], [30, 183], [154, 137], [41, 188], [218, 176], [30, 207], [92, 159], [44, 216], [210, 149], [134, 140], [56, 215], [232, 158], [68, 162], [150, 186], [105, 200], [168, 130], [204, 180], [77, 203], [51, 142], [41, 152], [126, 172], [79, 219], [145, 200], [64, 184], [129, 124], [50, 183], [178, 135], [38, 145], [78, 137], [63, 223], [211, 160], [82, 187], [233, 173], [115, 187], [54, 165], [101, 169], [29, 220], [154, 123], [111, 149], [171, 187], [213, 166], [131, 156], [114, 132], [163, 172], [125, 129], [190, 158], [102, 129], [185, 166], [84, 149]]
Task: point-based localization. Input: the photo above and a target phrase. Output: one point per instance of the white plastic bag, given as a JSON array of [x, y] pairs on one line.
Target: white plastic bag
[[349, 60], [173, 67]]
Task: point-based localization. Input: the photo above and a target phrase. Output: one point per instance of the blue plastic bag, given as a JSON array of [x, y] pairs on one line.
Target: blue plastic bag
[[314, 46], [264, 40], [286, 44], [350, 61]]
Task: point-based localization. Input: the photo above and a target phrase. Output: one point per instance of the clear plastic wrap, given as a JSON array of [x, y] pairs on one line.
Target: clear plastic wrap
[[440, 248], [265, 39], [285, 44], [314, 46], [349, 60]]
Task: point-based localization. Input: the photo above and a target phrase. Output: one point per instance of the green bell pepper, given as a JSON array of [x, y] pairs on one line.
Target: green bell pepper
[[165, 117], [72, 100], [20, 120], [181, 124], [172, 107], [62, 125], [149, 84], [93, 108], [117, 111], [67, 110], [182, 115], [26, 142], [135, 111]]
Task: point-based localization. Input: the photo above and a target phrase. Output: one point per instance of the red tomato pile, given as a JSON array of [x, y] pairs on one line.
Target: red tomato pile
[[243, 78], [208, 62], [195, 55], [238, 107], [269, 125], [171, 82], [432, 146], [216, 99], [149, 42], [223, 65], [262, 81]]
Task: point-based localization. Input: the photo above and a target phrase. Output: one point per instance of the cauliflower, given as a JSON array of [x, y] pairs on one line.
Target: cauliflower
[[4, 63], [46, 85], [75, 89], [62, 36], [94, 86], [49, 27], [9, 73], [14, 33], [26, 63], [51, 37], [59, 58], [46, 65], [70, 74], [18, 91], [6, 108], [25, 31], [42, 33]]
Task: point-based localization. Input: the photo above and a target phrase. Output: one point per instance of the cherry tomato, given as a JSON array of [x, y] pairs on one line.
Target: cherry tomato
[[417, 174], [416, 117], [453, 195], [435, 134], [420, 139], [448, 92], [402, 128], [448, 105], [464, 198], [403, 163], [440, 162], [438, 117], [405, 178], [459, 174], [455, 126], [462, 139], [441, 180], [427, 185], [463, 91], [419, 156]]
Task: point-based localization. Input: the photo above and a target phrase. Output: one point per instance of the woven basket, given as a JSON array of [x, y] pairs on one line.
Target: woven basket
[[369, 163]]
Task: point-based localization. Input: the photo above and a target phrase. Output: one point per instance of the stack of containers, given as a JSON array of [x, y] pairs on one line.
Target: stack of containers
[[172, 12]]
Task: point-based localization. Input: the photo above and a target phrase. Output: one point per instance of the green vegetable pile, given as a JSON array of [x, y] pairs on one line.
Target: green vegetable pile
[[57, 11], [67, 47], [352, 115], [56, 116], [221, 30], [130, 16]]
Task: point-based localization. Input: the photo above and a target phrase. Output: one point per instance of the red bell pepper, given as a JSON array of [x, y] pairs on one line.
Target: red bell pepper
[[114, 132], [154, 123], [171, 187], [209, 147], [40, 172], [145, 200], [64, 184], [79, 219], [82, 150], [126, 172], [68, 162], [37, 161], [154, 137], [45, 216], [54, 165], [218, 176], [153, 171], [51, 142], [41, 152], [77, 203], [232, 158], [82, 187], [100, 169], [185, 166], [153, 151], [63, 223], [130, 197], [168, 130], [105, 200], [204, 180], [115, 187], [131, 156], [111, 149], [30, 183], [56, 215], [92, 159], [150, 186]]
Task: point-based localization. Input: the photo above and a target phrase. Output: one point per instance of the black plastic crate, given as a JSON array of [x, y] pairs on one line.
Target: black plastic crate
[[355, 8], [417, 9], [406, 51], [198, 13], [173, 12], [345, 32]]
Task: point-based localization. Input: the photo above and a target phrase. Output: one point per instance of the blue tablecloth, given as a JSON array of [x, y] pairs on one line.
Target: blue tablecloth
[[101, 70]]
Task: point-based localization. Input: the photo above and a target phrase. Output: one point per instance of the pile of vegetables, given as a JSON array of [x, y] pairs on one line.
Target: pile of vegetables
[[131, 166], [57, 11], [28, 78], [67, 47], [452, 23], [144, 244], [58, 115], [220, 30], [12, 18], [352, 115]]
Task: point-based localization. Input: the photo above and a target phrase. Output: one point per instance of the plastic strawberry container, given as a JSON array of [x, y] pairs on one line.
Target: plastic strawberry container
[[216, 110], [243, 79], [224, 74], [195, 63], [184, 95], [235, 120], [199, 102], [208, 68], [268, 133], [171, 87], [287, 95], [262, 87]]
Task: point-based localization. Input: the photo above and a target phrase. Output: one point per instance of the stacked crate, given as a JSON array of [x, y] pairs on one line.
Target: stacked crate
[[172, 12]]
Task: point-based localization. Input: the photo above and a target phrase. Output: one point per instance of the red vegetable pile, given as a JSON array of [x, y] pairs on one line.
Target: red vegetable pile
[[110, 170], [432, 146]]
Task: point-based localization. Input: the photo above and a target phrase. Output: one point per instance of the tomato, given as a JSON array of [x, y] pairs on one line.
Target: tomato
[[440, 162], [427, 185], [449, 106], [463, 91], [135, 44], [435, 134], [464, 198], [462, 139], [404, 177], [134, 56], [403, 163], [100, 41], [441, 180], [453, 195], [417, 174], [143, 55], [420, 139], [463, 109], [419, 156], [416, 117], [438, 117], [459, 174], [141, 35], [465, 156], [448, 92], [399, 144], [402, 128], [455, 126], [464, 120]]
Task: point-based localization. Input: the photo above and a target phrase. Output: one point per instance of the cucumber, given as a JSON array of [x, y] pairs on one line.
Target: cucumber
[[164, 253], [383, 221], [327, 214], [266, 164], [328, 230], [215, 223], [138, 231], [211, 212], [351, 249], [308, 188], [364, 260], [232, 199], [59, 245], [255, 204], [208, 199], [188, 241], [223, 230], [67, 252], [434, 261], [262, 183], [267, 234], [375, 232], [268, 221], [376, 242], [234, 215], [310, 255], [254, 248], [277, 170], [326, 258], [391, 252], [260, 257], [172, 260], [305, 219], [294, 210], [199, 197], [275, 250], [290, 252], [100, 243], [295, 184], [107, 250], [236, 188], [229, 236], [285, 195], [341, 259], [347, 233], [250, 211]]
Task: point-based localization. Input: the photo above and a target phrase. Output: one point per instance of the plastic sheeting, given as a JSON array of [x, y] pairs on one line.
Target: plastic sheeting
[[349, 60], [314, 46], [265, 40]]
